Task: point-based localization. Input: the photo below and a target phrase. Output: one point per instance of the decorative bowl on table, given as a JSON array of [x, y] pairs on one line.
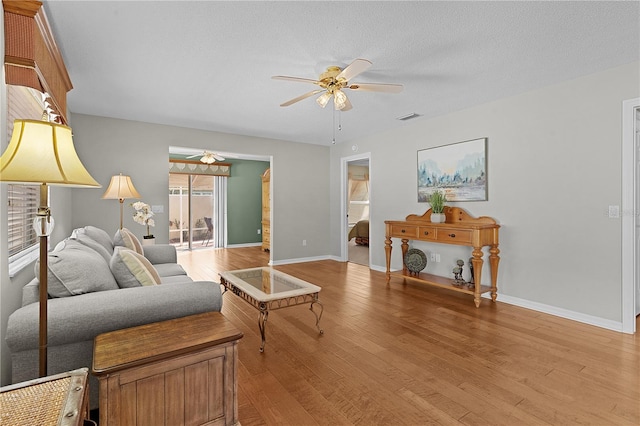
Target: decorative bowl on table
[[415, 260]]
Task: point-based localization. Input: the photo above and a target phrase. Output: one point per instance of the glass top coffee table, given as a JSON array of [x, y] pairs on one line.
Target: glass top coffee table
[[267, 289]]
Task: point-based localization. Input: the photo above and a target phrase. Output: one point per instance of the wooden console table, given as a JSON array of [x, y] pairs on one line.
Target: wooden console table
[[460, 228]]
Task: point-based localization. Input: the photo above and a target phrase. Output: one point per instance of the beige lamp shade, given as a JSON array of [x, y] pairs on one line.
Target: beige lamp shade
[[120, 188], [43, 152]]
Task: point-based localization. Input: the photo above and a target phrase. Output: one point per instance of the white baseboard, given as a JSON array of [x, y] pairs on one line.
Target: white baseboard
[[300, 260], [559, 312], [243, 245]]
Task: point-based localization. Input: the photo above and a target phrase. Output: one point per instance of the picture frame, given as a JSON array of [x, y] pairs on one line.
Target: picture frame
[[458, 169]]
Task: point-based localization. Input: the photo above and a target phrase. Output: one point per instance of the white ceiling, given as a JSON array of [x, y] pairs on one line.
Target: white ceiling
[[208, 64]]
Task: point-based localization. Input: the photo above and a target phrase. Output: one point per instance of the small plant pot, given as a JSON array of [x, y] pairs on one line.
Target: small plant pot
[[438, 217], [148, 240]]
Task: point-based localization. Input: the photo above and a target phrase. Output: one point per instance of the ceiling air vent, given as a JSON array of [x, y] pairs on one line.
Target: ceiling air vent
[[408, 116]]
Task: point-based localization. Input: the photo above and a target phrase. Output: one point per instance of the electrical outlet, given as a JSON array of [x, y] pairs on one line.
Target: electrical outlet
[[433, 257], [259, 231], [437, 257], [304, 243]]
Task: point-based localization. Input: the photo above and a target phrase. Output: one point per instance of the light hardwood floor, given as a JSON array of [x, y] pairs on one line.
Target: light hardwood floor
[[401, 354]]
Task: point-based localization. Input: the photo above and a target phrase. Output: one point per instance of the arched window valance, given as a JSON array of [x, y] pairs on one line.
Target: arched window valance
[[199, 168]]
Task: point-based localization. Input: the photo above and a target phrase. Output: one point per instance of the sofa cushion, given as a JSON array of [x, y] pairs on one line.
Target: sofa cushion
[[132, 269], [100, 236], [126, 238], [169, 270], [74, 268], [81, 236], [176, 279]]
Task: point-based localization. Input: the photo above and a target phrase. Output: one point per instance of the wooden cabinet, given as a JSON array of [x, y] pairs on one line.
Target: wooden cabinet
[[460, 228], [266, 211], [176, 372]]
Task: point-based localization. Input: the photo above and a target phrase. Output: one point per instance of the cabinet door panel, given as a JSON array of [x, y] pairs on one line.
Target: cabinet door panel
[[216, 388], [174, 397], [150, 401], [195, 380]]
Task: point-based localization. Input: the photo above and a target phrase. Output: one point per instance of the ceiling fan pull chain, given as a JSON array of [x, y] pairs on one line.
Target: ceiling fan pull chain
[[334, 127]]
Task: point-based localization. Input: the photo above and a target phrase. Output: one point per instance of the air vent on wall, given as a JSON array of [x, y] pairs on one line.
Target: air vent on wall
[[408, 116]]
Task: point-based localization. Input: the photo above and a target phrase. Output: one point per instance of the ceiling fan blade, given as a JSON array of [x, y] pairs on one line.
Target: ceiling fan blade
[[217, 157], [296, 79], [376, 87], [299, 98], [194, 156], [355, 68]]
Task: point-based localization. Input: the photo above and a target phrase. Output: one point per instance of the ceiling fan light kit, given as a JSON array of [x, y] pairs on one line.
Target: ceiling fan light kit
[[209, 157], [334, 80], [323, 99]]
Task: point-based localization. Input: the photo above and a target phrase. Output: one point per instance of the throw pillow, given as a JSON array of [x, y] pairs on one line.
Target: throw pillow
[[73, 268], [132, 269], [81, 236], [100, 236], [126, 238]]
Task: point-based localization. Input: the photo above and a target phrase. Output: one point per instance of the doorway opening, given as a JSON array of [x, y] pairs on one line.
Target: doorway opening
[[356, 209]]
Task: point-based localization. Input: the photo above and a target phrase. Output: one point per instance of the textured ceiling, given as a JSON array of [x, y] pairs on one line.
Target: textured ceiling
[[208, 65]]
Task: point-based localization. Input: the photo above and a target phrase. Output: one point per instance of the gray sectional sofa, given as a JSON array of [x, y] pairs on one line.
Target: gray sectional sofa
[[98, 284]]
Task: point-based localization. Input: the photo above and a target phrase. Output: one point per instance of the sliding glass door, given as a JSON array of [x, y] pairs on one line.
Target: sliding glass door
[[191, 210]]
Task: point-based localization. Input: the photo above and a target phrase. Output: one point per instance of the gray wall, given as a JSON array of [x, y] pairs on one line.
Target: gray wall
[[554, 167], [109, 146]]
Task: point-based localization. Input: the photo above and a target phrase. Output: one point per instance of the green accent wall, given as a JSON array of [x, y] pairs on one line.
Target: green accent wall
[[244, 201]]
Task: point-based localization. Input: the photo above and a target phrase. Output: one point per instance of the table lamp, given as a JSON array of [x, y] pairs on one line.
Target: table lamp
[[43, 152], [120, 188]]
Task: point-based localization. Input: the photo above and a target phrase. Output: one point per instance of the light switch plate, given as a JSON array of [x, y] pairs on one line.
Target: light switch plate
[[614, 212]]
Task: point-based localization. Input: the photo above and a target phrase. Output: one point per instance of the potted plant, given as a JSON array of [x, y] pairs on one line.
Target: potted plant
[[437, 200], [144, 216]]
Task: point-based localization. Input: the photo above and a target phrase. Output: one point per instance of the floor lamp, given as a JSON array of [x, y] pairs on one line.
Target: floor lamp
[[43, 152], [120, 188]]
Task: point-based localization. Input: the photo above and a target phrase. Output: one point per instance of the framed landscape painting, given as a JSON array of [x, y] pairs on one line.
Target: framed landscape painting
[[459, 170]]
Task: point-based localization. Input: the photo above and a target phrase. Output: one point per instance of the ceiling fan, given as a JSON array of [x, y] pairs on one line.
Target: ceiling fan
[[334, 80], [208, 157]]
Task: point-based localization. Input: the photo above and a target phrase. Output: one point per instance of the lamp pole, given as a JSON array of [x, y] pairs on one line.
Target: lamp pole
[[42, 227]]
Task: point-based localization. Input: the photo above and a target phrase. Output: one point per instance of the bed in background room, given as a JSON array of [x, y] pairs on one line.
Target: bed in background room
[[360, 232]]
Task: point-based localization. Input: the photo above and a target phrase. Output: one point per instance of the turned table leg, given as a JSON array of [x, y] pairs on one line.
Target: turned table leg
[[477, 262], [494, 259], [387, 251], [405, 247]]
